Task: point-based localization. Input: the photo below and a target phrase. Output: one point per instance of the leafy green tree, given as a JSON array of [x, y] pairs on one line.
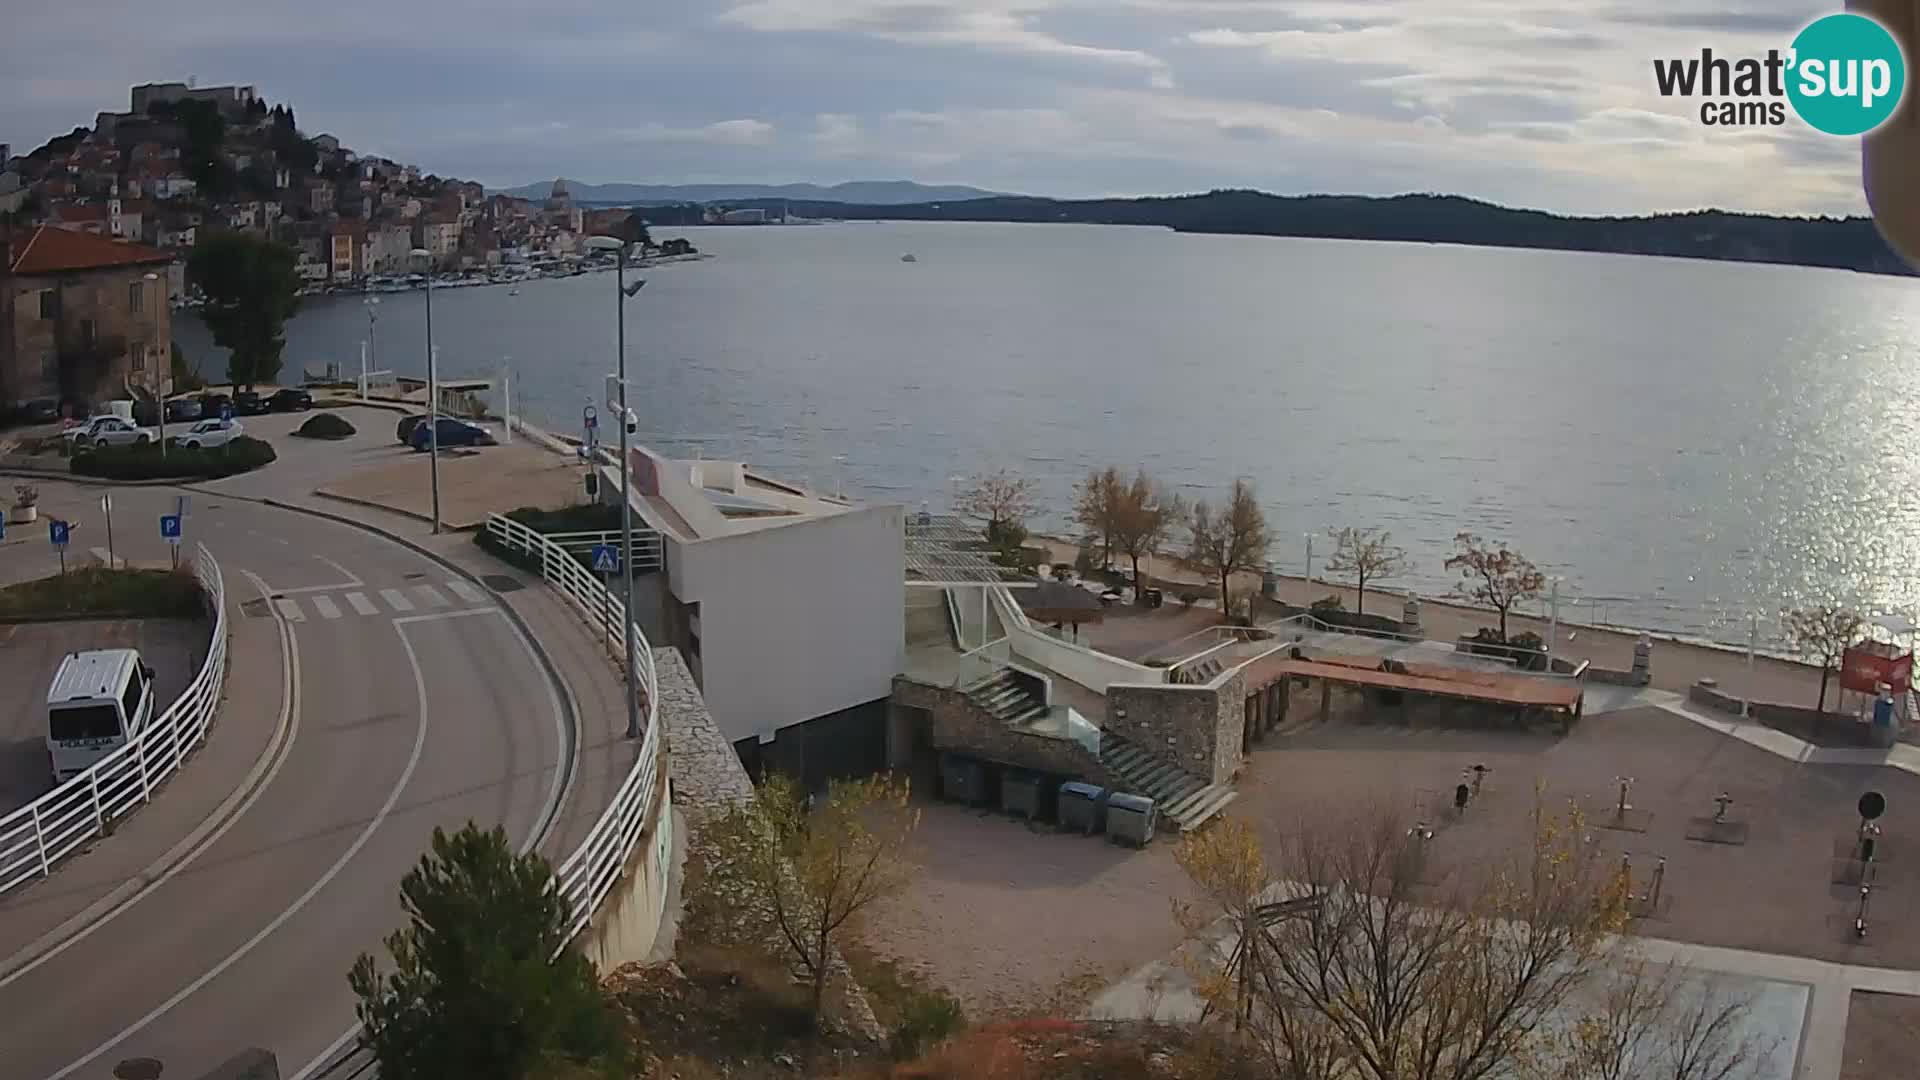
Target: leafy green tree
[[249, 283], [484, 986], [206, 131]]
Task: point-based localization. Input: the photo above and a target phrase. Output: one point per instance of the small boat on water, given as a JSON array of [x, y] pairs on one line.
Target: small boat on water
[[908, 257]]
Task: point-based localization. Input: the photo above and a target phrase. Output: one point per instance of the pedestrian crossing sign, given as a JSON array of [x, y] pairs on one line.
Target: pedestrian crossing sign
[[606, 559]]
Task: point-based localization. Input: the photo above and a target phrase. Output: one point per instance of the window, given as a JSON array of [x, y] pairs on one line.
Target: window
[[135, 294], [139, 353], [83, 723], [130, 700], [49, 304]]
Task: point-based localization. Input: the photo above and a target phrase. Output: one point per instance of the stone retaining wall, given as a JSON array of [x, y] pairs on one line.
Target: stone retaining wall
[[708, 779], [959, 724], [1202, 729]]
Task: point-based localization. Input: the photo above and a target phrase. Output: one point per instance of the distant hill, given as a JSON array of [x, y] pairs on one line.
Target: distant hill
[[872, 192], [1841, 243]]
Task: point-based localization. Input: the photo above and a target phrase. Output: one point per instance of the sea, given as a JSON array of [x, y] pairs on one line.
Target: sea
[[1691, 446]]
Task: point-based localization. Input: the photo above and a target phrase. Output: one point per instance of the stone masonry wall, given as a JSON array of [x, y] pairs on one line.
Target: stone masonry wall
[[708, 779], [959, 724], [1199, 728]]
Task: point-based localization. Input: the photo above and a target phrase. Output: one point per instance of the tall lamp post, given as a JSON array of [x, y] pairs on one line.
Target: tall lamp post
[[162, 378], [367, 354], [433, 393], [621, 295]]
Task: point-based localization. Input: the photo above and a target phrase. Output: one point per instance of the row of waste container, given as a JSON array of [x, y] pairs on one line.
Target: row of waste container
[[1039, 796]]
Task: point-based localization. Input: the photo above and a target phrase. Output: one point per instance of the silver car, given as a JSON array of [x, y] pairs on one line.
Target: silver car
[[110, 431]]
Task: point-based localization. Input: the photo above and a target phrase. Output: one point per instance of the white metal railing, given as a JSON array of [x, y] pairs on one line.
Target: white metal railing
[[594, 868], [648, 553], [34, 838]]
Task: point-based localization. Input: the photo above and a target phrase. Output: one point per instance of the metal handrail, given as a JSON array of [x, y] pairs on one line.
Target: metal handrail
[[593, 869], [34, 838]]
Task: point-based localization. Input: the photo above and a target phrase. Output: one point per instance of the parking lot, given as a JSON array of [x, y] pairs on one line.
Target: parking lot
[[31, 652]]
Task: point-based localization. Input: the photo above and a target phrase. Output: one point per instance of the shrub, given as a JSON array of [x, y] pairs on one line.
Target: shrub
[[1189, 599], [926, 1019], [1326, 604], [1084, 560], [99, 591], [325, 426], [147, 462], [1062, 569], [1529, 651]]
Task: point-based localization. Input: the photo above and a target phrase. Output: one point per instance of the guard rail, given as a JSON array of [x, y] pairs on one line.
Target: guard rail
[[34, 838]]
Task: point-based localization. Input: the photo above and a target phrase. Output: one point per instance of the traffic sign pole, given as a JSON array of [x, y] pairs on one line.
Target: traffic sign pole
[[106, 508]]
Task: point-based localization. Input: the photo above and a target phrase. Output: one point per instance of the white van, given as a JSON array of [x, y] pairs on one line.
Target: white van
[[99, 700]]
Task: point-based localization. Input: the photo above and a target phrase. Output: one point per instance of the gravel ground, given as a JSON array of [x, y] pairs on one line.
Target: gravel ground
[[1881, 1039], [1016, 920]]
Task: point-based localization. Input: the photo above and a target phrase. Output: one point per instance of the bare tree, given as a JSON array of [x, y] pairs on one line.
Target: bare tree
[[1368, 555], [806, 872], [1142, 515], [1494, 575], [1231, 540], [1824, 634], [1094, 503], [1002, 500]]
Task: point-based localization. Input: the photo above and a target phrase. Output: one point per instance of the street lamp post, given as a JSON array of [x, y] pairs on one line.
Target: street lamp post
[[161, 379], [433, 394], [621, 295], [367, 354]]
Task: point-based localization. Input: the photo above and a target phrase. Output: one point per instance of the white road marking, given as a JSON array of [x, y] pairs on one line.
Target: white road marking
[[326, 607], [466, 592], [361, 605], [379, 818], [344, 572], [396, 599], [432, 596], [561, 782], [290, 715], [290, 609]]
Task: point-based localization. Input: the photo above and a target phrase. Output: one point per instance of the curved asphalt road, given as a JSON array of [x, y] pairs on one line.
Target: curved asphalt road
[[410, 705]]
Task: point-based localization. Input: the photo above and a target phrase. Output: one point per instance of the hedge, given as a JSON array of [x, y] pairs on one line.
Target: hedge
[[179, 462], [100, 591], [325, 426]]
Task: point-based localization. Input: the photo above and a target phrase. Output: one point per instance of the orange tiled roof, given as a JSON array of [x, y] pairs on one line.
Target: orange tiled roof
[[53, 250]]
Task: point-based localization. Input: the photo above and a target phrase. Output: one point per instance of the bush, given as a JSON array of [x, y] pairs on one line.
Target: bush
[[1327, 604], [325, 426], [1189, 598], [178, 462], [926, 1019], [1083, 560], [156, 594], [1529, 651]]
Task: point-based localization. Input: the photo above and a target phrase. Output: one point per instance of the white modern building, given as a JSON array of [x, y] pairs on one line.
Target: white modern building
[[788, 604]]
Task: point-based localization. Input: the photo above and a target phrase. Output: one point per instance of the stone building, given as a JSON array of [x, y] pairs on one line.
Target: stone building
[[80, 315]]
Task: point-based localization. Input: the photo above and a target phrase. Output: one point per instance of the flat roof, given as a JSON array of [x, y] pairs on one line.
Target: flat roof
[[97, 673], [1435, 680]]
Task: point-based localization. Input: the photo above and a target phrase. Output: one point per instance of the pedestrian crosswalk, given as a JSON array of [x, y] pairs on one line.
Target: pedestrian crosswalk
[[326, 606]]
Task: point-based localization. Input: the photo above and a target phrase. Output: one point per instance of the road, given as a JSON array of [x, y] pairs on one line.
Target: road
[[410, 701]]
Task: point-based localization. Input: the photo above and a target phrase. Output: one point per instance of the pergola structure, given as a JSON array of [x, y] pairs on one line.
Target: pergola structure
[[944, 551]]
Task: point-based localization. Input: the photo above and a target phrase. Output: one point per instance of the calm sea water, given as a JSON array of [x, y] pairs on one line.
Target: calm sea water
[[1684, 441]]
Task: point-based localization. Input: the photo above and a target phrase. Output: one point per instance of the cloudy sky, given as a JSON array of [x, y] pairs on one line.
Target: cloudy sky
[[1541, 103]]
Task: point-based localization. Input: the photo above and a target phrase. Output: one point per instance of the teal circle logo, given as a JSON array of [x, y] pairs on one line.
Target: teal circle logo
[[1847, 74]]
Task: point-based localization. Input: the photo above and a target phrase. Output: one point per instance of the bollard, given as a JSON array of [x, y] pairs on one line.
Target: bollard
[[1721, 802]]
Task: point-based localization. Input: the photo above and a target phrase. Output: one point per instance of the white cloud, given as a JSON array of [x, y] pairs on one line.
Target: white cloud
[[743, 132]]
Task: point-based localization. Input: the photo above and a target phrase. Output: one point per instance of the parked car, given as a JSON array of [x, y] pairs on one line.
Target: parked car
[[249, 403], [181, 410], [291, 399], [211, 404], [109, 431], [404, 429], [146, 413], [209, 433], [40, 411], [453, 432]]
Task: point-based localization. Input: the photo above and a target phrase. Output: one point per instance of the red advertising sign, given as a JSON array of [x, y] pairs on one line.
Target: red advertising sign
[[1866, 667]]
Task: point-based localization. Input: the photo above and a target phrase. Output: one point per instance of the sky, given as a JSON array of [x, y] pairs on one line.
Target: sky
[[1537, 103]]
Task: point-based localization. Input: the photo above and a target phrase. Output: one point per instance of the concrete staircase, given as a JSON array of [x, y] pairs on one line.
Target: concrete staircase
[[1004, 696], [1181, 797]]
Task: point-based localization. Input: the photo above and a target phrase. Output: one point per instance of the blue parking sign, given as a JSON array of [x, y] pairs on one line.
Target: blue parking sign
[[606, 559], [170, 527], [57, 532]]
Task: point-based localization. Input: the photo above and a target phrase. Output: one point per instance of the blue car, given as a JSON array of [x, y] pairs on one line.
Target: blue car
[[452, 433]]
